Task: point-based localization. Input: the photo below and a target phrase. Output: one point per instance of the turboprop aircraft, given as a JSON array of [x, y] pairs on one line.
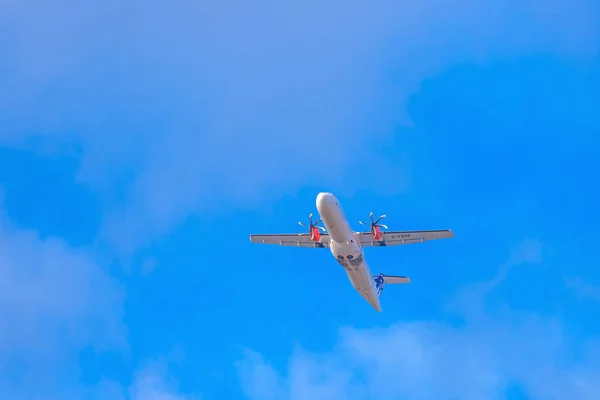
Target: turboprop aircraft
[[346, 245]]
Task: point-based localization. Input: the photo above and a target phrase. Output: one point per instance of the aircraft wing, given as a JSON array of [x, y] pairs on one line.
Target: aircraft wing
[[395, 238], [292, 239]]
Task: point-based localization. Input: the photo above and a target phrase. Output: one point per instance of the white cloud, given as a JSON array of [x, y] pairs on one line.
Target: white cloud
[[180, 108], [477, 359], [583, 289], [468, 300], [153, 382], [259, 378], [54, 302]]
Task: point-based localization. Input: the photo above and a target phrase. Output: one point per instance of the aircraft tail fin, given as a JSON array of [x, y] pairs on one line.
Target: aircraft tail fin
[[381, 280]]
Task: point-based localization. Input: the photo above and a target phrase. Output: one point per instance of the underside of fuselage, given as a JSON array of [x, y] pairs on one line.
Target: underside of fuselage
[[346, 248], [360, 277]]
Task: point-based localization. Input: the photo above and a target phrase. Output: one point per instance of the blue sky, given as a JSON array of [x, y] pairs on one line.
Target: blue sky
[[140, 145]]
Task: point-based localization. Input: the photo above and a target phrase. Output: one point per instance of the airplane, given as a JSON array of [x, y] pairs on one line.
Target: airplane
[[347, 246]]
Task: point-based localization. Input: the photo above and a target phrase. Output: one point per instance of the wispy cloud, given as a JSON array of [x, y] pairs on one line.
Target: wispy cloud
[[55, 301], [483, 357], [153, 382], [470, 300], [172, 106], [583, 289]]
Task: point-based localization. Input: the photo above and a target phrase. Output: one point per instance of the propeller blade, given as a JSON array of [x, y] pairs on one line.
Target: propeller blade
[[312, 225], [380, 218], [383, 226], [362, 223]]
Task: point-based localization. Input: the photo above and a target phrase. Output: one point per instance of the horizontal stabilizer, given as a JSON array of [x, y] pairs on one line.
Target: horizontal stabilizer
[[395, 279], [381, 280]]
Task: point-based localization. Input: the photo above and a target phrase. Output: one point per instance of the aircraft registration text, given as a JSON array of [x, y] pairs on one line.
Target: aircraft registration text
[[400, 236]]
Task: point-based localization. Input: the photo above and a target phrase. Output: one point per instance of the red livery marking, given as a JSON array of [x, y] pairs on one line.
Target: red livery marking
[[315, 235], [376, 232]]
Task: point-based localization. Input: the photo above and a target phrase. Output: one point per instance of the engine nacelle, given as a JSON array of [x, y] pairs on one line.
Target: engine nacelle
[[376, 233], [313, 229], [376, 227], [315, 235]]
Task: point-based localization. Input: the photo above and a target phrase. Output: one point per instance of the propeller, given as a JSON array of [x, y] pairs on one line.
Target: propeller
[[312, 224], [376, 223]]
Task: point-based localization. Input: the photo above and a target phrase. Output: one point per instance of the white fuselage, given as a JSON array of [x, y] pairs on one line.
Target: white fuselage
[[346, 247]]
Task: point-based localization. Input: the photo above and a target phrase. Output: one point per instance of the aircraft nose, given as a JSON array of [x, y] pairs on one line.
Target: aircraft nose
[[322, 200]]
